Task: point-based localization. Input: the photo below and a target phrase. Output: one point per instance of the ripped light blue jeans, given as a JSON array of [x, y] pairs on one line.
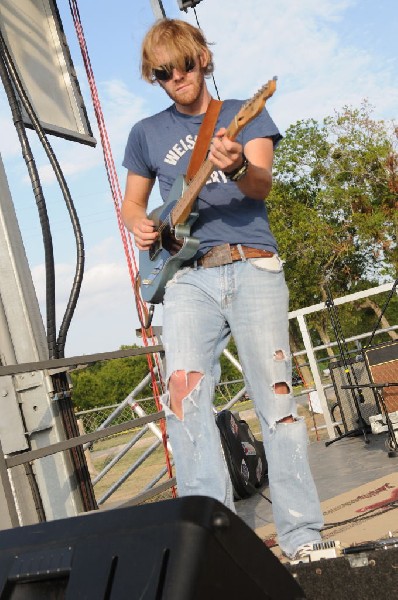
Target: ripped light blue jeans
[[203, 307]]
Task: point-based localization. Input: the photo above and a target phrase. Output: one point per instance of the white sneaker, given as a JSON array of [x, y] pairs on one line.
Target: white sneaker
[[316, 550]]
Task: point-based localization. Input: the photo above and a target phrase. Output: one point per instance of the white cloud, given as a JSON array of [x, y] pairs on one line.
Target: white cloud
[[319, 69], [105, 316], [9, 144], [105, 270], [121, 108], [73, 161]]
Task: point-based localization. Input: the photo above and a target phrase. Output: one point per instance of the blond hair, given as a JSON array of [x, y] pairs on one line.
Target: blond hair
[[180, 40]]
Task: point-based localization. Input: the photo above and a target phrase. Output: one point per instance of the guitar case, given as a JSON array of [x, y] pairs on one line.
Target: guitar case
[[244, 454]]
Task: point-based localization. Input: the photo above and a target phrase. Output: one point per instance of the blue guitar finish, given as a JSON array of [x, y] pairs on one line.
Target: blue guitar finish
[[157, 266]]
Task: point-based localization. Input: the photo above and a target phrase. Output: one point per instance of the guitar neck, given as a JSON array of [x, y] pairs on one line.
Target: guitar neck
[[234, 128], [182, 209]]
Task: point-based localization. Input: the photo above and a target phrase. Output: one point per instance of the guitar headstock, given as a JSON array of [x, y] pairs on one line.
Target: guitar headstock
[[252, 108]]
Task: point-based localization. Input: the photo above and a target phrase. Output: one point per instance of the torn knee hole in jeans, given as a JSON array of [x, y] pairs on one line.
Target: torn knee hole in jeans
[[181, 385], [288, 419], [279, 355], [281, 387], [185, 379]]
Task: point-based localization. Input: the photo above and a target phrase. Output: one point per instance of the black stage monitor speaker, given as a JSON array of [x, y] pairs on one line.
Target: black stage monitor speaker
[[351, 372], [183, 549], [382, 362]]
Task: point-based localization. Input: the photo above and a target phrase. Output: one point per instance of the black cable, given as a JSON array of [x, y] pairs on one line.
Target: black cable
[[263, 496], [40, 202], [214, 81], [76, 286]]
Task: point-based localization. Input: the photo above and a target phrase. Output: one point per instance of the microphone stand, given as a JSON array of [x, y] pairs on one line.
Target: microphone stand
[[363, 428]]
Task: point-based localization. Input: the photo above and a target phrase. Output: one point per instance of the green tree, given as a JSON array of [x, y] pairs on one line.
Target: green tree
[[362, 184], [109, 382], [333, 208]]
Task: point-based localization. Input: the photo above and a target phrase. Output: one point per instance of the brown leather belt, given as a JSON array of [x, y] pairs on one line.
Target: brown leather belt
[[226, 254]]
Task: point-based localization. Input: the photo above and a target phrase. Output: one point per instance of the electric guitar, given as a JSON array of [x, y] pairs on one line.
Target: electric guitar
[[174, 219]]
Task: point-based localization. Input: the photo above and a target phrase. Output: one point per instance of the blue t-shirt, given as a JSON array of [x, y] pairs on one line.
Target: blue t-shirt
[[161, 146]]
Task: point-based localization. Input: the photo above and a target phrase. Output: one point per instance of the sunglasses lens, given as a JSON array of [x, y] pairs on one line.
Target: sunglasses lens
[[166, 72], [189, 65], [162, 74]]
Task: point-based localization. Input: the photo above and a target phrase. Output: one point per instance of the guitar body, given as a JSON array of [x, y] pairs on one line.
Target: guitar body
[[158, 265]]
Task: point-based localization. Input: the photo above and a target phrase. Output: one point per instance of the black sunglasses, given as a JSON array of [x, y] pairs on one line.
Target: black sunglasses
[[165, 72]]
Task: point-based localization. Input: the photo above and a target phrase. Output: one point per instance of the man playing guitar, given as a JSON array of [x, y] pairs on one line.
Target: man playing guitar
[[233, 284]]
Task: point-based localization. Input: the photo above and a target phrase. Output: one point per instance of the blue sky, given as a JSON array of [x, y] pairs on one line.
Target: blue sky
[[326, 54]]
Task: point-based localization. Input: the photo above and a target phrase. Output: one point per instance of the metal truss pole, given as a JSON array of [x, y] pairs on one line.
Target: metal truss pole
[[29, 417]]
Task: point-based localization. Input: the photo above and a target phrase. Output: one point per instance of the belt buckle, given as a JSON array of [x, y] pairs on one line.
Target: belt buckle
[[218, 256]]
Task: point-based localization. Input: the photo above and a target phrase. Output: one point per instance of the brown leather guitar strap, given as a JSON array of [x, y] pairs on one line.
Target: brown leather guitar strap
[[202, 143]]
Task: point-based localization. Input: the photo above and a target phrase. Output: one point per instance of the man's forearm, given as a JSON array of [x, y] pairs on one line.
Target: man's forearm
[[132, 212], [256, 183]]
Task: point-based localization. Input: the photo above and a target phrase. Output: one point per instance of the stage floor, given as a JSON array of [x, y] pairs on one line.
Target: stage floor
[[357, 485]]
